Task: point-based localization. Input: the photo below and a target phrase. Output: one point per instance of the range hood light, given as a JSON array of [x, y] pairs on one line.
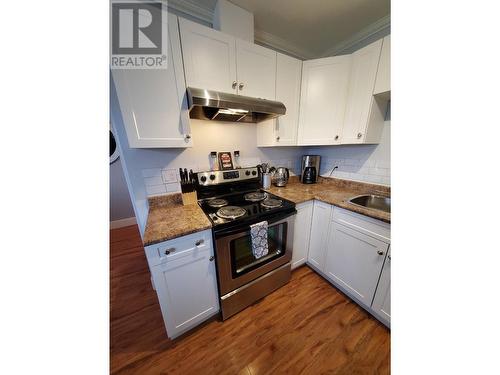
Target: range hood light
[[231, 111]]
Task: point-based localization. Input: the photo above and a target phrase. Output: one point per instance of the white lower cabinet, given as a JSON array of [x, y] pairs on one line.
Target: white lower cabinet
[[319, 235], [185, 280], [381, 305], [301, 233], [354, 262], [352, 251]]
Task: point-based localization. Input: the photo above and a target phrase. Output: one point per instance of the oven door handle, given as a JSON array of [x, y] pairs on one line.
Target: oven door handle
[[270, 221]]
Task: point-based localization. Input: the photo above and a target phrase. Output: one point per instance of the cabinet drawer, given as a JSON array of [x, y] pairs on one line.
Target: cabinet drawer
[[364, 224], [178, 248]]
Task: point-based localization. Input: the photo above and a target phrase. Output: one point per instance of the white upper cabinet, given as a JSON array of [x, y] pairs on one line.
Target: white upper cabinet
[[383, 81], [209, 57], [323, 100], [359, 126], [217, 61], [152, 102], [288, 76], [319, 235], [382, 302], [256, 70], [301, 233], [283, 130], [354, 262]]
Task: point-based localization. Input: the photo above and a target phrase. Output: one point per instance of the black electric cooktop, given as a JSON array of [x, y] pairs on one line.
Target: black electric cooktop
[[234, 210]]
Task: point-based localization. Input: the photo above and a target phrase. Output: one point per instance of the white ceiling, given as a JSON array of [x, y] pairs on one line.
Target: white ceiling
[[314, 25], [311, 28]]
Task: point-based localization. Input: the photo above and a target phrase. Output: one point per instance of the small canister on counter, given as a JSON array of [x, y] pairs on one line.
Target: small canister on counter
[[266, 180]]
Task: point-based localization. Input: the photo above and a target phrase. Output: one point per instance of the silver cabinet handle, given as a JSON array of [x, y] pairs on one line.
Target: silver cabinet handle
[[278, 138], [336, 137], [241, 86], [168, 251], [388, 256], [211, 258], [360, 135], [234, 84], [187, 137], [199, 242], [380, 252]]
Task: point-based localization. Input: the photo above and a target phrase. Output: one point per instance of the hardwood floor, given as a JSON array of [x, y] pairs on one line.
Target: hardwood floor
[[306, 327]]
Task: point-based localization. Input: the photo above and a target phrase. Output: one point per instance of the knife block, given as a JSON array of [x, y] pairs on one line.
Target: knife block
[[189, 198]]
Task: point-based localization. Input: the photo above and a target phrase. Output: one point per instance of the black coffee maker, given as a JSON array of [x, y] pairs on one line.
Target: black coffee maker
[[309, 170]]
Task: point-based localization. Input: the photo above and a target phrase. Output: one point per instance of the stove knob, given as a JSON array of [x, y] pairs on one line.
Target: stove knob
[[254, 173], [203, 178], [212, 177], [247, 173]]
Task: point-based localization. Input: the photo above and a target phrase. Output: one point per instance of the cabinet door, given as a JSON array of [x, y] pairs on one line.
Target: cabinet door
[[187, 289], [319, 235], [354, 261], [301, 233], [283, 130], [288, 76], [152, 102], [382, 302], [209, 57], [383, 81], [360, 97], [256, 70], [323, 100]]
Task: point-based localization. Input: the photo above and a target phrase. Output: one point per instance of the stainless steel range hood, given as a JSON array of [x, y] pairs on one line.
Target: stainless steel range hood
[[220, 106]]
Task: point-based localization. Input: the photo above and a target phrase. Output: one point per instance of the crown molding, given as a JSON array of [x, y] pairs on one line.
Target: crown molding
[[353, 43], [271, 40], [192, 8]]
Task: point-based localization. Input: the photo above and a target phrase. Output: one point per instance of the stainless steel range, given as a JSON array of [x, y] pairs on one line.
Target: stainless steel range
[[233, 201]]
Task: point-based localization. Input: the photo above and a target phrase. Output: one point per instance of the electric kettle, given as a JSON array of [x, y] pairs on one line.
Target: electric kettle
[[281, 176]]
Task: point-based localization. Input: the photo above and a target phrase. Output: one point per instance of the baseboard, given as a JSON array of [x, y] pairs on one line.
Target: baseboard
[[122, 223]]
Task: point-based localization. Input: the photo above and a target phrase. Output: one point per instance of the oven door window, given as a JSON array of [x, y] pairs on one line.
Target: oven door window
[[242, 258]]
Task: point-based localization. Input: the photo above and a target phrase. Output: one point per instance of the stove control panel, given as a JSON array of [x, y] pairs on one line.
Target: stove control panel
[[231, 175], [221, 177]]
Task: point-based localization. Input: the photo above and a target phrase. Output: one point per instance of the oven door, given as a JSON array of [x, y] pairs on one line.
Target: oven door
[[236, 263]]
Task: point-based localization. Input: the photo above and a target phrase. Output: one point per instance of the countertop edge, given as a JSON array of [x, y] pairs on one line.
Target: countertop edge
[[346, 206], [177, 235]]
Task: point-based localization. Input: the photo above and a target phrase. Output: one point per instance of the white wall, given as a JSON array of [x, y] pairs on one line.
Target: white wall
[[120, 206]]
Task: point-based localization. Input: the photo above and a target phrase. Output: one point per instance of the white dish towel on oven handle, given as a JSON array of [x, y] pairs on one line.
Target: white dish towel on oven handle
[[258, 233]]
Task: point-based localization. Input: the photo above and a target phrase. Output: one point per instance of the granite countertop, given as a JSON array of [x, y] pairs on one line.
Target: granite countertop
[[336, 192], [168, 218]]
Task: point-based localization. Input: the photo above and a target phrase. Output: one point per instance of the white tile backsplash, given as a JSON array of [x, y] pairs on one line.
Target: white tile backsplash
[[155, 189], [166, 180], [169, 175], [173, 187], [151, 181], [383, 164], [158, 181], [373, 171], [152, 172]]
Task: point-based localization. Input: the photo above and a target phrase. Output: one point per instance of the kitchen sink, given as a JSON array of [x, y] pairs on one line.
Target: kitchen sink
[[375, 202]]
